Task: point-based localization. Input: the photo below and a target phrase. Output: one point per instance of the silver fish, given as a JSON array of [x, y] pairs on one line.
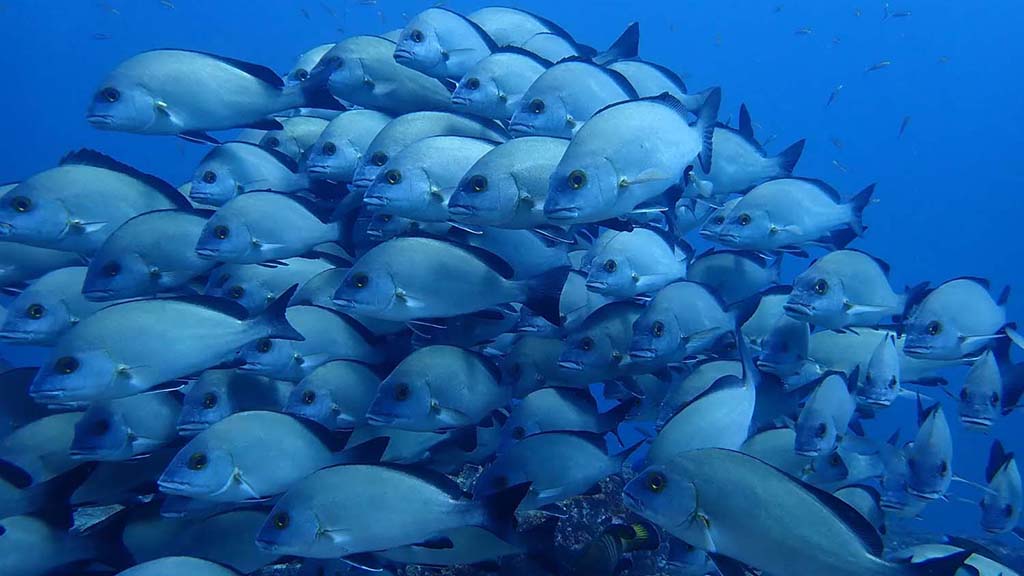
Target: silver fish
[[624, 265], [217, 394], [337, 395], [494, 87], [236, 168], [981, 398], [40, 450], [599, 348], [126, 428], [305, 63], [255, 286], [49, 307], [442, 44], [559, 409], [1001, 503], [957, 319], [681, 320], [22, 263], [930, 457], [734, 275], [298, 134], [342, 145], [826, 415], [881, 384]]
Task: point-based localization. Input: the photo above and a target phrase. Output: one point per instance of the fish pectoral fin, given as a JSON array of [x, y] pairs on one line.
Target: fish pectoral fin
[[338, 537], [437, 543], [729, 567], [973, 339], [549, 493], [88, 227], [855, 309], [407, 300], [247, 488], [365, 561]]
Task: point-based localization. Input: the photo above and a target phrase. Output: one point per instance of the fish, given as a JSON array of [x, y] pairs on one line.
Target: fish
[[742, 162], [532, 364], [775, 448], [683, 319], [982, 394], [255, 286], [336, 395], [414, 278], [903, 126], [147, 255], [825, 418], [188, 93], [565, 96], [126, 428], [494, 87], [304, 64], [835, 94], [650, 79], [855, 460], [734, 275], [418, 181], [236, 168], [298, 134], [600, 348], [559, 409], [805, 31], [513, 27], [1001, 502], [930, 457], [716, 220], [48, 307], [409, 128], [331, 513], [699, 380], [789, 213], [866, 500], [362, 71], [957, 319], [219, 393], [623, 265], [976, 560], [343, 143], [528, 254], [878, 66], [16, 407], [507, 186], [34, 546], [587, 459], [605, 555], [442, 44], [438, 388], [119, 351], [601, 176], [689, 215], [40, 450], [179, 565], [704, 497], [261, 226], [881, 383], [61, 208], [897, 14], [688, 560], [326, 335]]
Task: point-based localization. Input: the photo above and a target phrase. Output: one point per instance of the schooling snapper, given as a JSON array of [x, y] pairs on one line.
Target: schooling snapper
[[471, 297]]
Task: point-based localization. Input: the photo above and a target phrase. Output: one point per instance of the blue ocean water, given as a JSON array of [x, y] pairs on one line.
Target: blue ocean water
[[948, 187]]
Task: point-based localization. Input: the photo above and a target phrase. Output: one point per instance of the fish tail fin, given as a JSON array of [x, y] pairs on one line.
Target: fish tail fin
[[275, 320], [544, 292], [627, 45], [942, 566], [693, 102], [857, 206], [707, 117], [499, 511], [788, 158]]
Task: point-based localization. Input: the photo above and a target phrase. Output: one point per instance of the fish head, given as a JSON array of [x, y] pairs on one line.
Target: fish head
[[125, 105], [402, 189], [517, 427], [273, 358], [31, 215], [784, 349], [827, 468], [981, 397], [371, 164], [35, 317], [226, 237], [665, 498], [247, 291], [933, 334], [930, 457], [582, 190], [818, 298], [478, 93], [119, 276], [333, 157], [404, 401], [542, 114], [203, 469], [419, 47], [79, 375], [500, 475], [206, 402], [369, 289], [687, 215], [313, 401], [815, 432], [102, 434], [485, 197], [881, 382], [293, 528], [348, 75], [747, 227], [1000, 504], [384, 225], [656, 335], [214, 182], [283, 142], [711, 230], [611, 274], [589, 352]]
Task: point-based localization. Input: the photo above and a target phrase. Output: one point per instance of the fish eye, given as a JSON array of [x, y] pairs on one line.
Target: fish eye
[[35, 311], [821, 430], [656, 482], [515, 370], [473, 84], [197, 461], [943, 468], [964, 395], [281, 520], [21, 204], [302, 74], [236, 292], [111, 268], [821, 287], [264, 345], [393, 177], [273, 142], [1008, 510], [586, 344], [835, 460], [110, 94], [209, 400], [610, 266], [478, 183], [209, 176], [330, 148], [65, 365], [911, 464], [744, 219], [537, 106], [338, 62], [994, 400], [934, 328], [2, 530], [577, 179], [360, 280], [101, 427], [401, 392], [308, 397], [720, 219], [379, 158], [417, 36], [893, 383], [518, 432], [658, 329], [385, 218], [221, 232]]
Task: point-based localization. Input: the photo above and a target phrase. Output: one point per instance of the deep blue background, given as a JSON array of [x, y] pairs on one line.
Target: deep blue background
[[948, 190]]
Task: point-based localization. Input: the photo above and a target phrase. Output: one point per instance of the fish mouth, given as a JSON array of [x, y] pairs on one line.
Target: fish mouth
[[43, 396], [520, 128], [731, 239], [346, 303], [80, 454], [266, 545], [525, 329], [380, 419], [207, 253], [877, 402], [18, 336], [928, 496], [976, 422], [317, 168], [401, 55], [809, 453], [572, 365], [375, 200], [643, 354], [173, 487], [98, 294], [798, 310], [252, 367], [918, 351], [6, 229], [360, 185], [201, 197], [375, 234], [596, 286], [461, 210], [100, 120], [460, 100], [568, 213], [191, 428], [707, 234]]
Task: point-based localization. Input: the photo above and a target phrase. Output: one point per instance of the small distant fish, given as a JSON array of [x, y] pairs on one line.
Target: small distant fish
[[109, 8], [943, 59], [167, 4], [304, 12], [890, 14], [101, 36], [903, 126], [839, 165], [836, 40], [857, 12], [805, 31], [328, 9], [837, 142], [835, 94], [879, 66], [368, 2], [779, 8]]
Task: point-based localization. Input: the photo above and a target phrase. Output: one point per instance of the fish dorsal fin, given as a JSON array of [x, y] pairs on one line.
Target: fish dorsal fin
[[432, 477], [332, 259], [541, 61], [491, 44], [352, 323], [669, 74], [983, 282], [255, 70], [881, 263], [388, 40], [823, 186], [492, 260], [87, 157], [552, 27], [746, 125], [998, 457], [665, 99], [222, 305], [278, 156], [613, 75], [924, 414]]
